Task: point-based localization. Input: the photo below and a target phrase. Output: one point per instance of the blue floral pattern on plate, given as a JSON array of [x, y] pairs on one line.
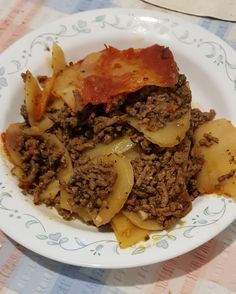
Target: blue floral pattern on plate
[[58, 240]]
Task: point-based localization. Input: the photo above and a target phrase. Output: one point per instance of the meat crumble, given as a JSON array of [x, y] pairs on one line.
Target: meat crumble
[[161, 105], [40, 164], [161, 181], [92, 183], [164, 178]]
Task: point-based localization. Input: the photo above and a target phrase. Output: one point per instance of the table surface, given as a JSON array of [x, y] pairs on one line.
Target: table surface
[[208, 269]]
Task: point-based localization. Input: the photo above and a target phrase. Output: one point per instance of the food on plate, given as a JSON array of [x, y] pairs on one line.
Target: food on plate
[[105, 76], [126, 232], [216, 142], [113, 139]]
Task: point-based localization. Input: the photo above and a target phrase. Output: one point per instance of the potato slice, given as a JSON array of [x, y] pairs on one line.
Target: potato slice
[[40, 107], [134, 217], [65, 89], [18, 172], [57, 103], [126, 232], [82, 212], [219, 158], [117, 146], [64, 200], [10, 138], [58, 59], [168, 136], [121, 190], [51, 191], [106, 74], [33, 96], [65, 173], [133, 153]]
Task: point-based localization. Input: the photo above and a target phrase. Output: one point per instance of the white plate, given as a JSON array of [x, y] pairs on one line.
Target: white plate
[[209, 64]]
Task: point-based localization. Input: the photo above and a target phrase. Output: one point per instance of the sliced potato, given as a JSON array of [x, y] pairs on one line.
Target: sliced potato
[[58, 59], [51, 191], [219, 158], [34, 131], [57, 103], [65, 173], [132, 153], [168, 136], [18, 172], [40, 107], [117, 146], [70, 81], [64, 88], [82, 212], [64, 200], [126, 232], [10, 141], [33, 96], [121, 190], [136, 219], [116, 199]]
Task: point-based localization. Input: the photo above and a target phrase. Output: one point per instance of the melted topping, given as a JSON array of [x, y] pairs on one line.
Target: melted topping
[[104, 75]]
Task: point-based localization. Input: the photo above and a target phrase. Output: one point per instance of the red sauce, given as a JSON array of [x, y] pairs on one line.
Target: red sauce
[[3, 136], [160, 60], [119, 72]]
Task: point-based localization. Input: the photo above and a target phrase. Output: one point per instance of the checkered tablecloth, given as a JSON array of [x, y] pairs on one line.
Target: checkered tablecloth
[[210, 268]]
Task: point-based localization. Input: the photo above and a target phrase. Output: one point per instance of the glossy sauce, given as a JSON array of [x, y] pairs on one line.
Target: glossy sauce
[[104, 75]]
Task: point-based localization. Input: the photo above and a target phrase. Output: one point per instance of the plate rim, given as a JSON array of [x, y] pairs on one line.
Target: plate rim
[[126, 11]]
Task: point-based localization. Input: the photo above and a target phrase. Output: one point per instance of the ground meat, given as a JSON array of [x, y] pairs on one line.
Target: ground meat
[[24, 114], [79, 102], [139, 139], [160, 184], [164, 178], [198, 117], [66, 214], [40, 163], [208, 140], [108, 128], [64, 117], [227, 176], [78, 145], [161, 105], [42, 80], [194, 166], [92, 183]]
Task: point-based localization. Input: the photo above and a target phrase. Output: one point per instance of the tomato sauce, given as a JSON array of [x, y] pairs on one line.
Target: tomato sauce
[[115, 72]]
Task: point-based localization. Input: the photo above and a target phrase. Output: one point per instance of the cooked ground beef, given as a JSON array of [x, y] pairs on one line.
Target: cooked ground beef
[[77, 145], [164, 178], [24, 113], [161, 183], [42, 80], [198, 117], [92, 182], [108, 128], [138, 138], [162, 105], [40, 163], [227, 176], [208, 140]]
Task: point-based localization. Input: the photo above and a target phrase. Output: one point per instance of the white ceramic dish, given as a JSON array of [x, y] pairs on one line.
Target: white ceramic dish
[[210, 66]]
